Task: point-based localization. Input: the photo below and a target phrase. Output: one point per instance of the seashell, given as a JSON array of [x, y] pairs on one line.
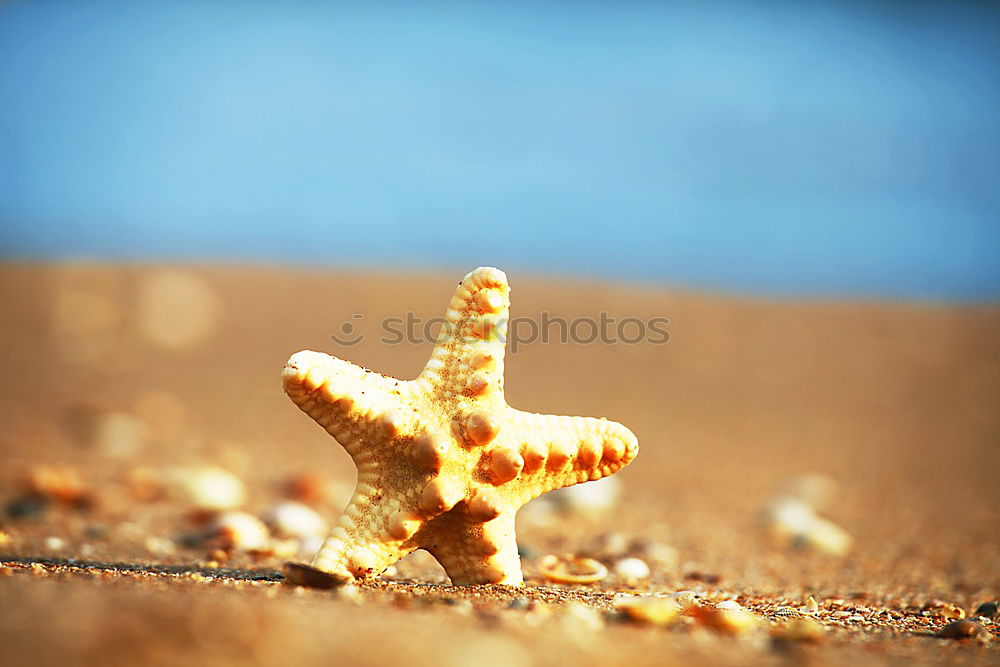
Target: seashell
[[726, 621], [207, 487], [572, 570], [62, 484], [943, 609], [728, 604], [292, 519], [688, 600], [632, 569], [963, 629], [238, 530], [649, 610]]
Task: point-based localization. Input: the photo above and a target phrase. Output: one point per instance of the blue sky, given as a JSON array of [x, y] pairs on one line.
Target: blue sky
[[774, 148]]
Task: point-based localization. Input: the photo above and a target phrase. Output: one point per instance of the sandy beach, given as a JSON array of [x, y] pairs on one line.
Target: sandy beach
[[881, 417]]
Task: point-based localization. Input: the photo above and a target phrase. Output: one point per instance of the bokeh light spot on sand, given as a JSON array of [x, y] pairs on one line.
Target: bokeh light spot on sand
[[207, 487], [120, 434], [165, 413], [84, 323], [177, 309], [108, 433]]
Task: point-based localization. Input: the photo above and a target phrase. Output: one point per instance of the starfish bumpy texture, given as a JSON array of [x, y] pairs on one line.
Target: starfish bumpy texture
[[443, 462]]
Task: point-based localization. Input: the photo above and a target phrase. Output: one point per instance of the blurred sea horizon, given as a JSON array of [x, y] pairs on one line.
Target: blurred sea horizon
[[822, 149]]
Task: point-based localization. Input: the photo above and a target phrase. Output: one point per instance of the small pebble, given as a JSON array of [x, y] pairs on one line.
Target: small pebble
[[218, 556], [208, 487], [795, 523], [632, 569], [300, 574], [728, 604], [987, 610], [60, 483], [810, 607], [944, 609], [963, 629], [238, 530], [27, 507], [519, 604], [726, 621], [160, 546], [649, 610], [293, 519], [826, 537]]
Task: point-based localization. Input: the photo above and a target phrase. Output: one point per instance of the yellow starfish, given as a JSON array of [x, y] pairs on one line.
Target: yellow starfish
[[443, 462]]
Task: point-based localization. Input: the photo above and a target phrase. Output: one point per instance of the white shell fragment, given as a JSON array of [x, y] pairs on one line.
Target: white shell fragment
[[293, 519], [793, 520], [573, 570], [239, 530], [632, 569], [207, 487]]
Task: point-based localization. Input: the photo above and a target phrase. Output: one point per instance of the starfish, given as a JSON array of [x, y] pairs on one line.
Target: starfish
[[443, 462]]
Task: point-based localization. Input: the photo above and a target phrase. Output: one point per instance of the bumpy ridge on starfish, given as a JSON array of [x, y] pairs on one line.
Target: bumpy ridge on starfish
[[443, 462]]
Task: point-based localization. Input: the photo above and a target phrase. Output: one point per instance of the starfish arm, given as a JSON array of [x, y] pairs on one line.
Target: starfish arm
[[354, 405], [468, 357], [555, 451], [364, 541], [473, 551]]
